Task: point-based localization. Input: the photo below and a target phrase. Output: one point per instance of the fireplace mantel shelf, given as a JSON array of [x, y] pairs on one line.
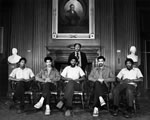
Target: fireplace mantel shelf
[[61, 53]]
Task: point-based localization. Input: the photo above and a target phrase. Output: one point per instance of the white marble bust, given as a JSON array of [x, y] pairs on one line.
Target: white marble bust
[[132, 54], [14, 58]]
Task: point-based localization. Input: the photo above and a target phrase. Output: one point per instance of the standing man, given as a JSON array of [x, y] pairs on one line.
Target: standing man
[[128, 78], [82, 59], [72, 75], [23, 76], [100, 75]]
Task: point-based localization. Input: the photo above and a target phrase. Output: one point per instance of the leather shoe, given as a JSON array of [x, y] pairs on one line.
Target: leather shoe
[[127, 115], [19, 111], [68, 113], [115, 113], [60, 104]]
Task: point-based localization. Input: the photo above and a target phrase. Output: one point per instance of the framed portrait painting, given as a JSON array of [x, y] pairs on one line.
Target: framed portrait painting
[[73, 19]]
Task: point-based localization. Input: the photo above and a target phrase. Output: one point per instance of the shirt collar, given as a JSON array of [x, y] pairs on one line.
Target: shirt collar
[[22, 69], [103, 68], [45, 69], [77, 52], [73, 67], [129, 70]]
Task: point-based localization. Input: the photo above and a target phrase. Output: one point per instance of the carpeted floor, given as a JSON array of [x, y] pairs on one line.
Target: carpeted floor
[[78, 114]]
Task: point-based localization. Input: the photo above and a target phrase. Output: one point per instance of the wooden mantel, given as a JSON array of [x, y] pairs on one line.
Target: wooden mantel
[[61, 53]]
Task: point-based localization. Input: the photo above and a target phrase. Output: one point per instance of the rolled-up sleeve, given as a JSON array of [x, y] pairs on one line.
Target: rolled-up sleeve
[[39, 75], [139, 74], [31, 73], [13, 73], [120, 74], [64, 72], [56, 76], [91, 77]]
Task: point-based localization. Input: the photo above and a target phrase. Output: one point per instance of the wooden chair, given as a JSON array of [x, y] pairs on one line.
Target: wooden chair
[[55, 93], [80, 92], [106, 95], [28, 93]]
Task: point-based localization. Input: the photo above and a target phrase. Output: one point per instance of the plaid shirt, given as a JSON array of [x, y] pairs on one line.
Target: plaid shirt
[[105, 73], [53, 75]]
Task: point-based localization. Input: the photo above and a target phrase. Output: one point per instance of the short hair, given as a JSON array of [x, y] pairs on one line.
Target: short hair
[[23, 58], [78, 44], [74, 57], [129, 60], [101, 57], [48, 58]]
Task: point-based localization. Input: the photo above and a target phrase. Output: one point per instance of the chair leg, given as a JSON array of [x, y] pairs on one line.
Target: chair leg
[[31, 97], [134, 106], [107, 102], [82, 100]]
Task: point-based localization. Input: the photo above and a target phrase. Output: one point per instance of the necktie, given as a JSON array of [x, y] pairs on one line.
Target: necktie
[[78, 55]]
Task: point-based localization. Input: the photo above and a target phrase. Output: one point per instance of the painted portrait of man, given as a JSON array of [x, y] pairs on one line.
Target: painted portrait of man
[[73, 16]]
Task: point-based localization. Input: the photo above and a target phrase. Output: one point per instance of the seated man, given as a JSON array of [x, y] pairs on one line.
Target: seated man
[[100, 75], [23, 76], [47, 76], [128, 78], [72, 74]]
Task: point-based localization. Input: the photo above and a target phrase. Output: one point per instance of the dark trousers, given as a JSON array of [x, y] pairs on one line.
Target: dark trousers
[[100, 89], [21, 87], [129, 93], [71, 86], [46, 91]]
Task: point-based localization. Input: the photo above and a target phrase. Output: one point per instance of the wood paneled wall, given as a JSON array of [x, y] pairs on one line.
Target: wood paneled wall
[[22, 28], [5, 22], [125, 30], [31, 30]]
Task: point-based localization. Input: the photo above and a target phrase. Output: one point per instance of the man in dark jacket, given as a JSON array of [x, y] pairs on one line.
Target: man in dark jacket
[[82, 59]]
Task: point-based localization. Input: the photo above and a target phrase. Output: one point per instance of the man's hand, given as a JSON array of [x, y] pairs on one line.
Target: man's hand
[[68, 79], [126, 81], [100, 80], [47, 80], [21, 79], [24, 80]]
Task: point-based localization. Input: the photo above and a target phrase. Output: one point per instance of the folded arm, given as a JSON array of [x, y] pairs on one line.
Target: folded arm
[[81, 78], [92, 77], [21, 79], [14, 79]]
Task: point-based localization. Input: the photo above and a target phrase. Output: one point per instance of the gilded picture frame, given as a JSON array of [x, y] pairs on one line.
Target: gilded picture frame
[[73, 19]]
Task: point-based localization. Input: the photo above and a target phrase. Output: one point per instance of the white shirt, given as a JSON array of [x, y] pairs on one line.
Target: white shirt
[[19, 73], [134, 73], [72, 72]]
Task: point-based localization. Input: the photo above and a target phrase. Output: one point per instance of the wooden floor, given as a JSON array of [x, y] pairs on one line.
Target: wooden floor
[[78, 114]]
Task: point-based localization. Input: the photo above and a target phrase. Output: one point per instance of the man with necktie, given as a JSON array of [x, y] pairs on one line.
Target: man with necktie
[[82, 59]]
